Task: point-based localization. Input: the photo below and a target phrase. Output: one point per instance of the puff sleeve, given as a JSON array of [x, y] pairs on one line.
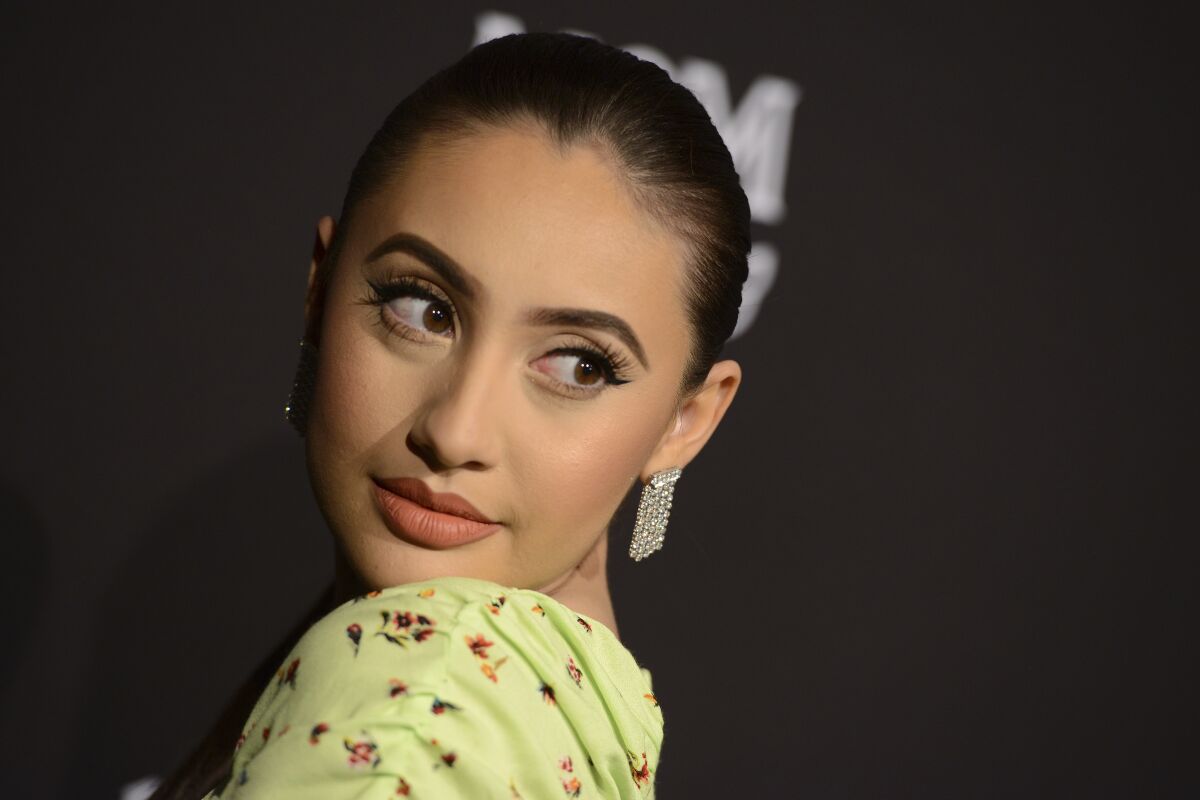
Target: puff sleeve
[[448, 691]]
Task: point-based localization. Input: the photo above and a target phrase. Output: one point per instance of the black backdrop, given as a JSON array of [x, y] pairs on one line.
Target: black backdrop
[[957, 478]]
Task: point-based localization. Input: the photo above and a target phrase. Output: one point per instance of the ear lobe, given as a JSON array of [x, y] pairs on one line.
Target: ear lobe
[[314, 297]]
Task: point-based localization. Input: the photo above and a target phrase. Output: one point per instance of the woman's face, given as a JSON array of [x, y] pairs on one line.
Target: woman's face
[[470, 374]]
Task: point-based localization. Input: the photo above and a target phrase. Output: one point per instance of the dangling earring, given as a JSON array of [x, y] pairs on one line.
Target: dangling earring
[[653, 510], [296, 409]]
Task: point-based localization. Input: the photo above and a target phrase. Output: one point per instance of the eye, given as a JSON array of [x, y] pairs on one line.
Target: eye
[[582, 370], [420, 312], [407, 303]]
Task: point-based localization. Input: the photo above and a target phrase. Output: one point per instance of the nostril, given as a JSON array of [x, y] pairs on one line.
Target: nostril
[[426, 452], [456, 429]]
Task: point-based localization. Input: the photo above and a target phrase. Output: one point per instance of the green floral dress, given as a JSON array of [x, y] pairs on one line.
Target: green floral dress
[[454, 687]]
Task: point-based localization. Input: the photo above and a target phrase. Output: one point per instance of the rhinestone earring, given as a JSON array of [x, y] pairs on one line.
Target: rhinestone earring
[[653, 510], [296, 409]]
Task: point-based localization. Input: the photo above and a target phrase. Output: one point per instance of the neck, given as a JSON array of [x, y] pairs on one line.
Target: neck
[[346, 583], [584, 589]]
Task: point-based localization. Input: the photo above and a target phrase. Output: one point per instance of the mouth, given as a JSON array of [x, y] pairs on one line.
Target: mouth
[[425, 518]]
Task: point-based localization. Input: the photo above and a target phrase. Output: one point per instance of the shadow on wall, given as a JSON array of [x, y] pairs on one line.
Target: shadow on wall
[[210, 589], [25, 552]]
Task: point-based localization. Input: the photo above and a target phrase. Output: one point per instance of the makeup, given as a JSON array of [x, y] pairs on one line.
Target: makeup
[[422, 517]]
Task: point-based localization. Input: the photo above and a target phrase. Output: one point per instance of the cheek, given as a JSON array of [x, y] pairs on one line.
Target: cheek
[[347, 401], [358, 400], [585, 463]]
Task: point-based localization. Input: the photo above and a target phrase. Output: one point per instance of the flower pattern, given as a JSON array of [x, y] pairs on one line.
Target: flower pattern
[[479, 646], [396, 706], [571, 784], [439, 706], [641, 774], [574, 671], [401, 627], [287, 677], [363, 752], [496, 604]]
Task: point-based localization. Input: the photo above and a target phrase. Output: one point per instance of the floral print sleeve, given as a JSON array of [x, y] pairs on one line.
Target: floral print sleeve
[[456, 687]]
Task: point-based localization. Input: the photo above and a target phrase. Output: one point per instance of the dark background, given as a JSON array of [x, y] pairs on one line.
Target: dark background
[[942, 545]]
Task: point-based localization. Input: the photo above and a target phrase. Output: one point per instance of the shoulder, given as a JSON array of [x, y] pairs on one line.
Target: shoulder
[[457, 674]]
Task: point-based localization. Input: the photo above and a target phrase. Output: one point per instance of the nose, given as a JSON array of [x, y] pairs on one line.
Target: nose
[[457, 426]]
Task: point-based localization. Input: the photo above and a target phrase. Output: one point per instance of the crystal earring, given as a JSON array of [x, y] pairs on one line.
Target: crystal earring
[[653, 510], [296, 409]]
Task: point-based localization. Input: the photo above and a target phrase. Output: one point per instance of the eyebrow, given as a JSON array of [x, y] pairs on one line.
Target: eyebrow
[[465, 284], [587, 318], [439, 262]]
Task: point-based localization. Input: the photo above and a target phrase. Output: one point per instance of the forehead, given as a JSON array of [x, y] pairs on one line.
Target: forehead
[[535, 225]]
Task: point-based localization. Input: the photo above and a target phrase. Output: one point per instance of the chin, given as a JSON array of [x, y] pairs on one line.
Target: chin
[[382, 562]]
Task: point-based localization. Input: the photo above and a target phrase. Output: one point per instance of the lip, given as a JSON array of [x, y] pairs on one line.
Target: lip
[[415, 513]]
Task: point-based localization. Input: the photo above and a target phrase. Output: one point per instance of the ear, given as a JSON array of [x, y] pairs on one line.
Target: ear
[[318, 278], [696, 419]]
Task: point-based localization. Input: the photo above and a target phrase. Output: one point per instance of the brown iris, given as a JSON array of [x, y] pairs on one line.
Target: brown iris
[[436, 318], [586, 372]]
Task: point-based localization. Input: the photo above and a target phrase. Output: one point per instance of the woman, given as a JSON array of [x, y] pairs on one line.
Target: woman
[[516, 318]]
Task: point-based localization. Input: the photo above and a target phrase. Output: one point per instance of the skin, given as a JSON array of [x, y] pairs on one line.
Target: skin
[[481, 407]]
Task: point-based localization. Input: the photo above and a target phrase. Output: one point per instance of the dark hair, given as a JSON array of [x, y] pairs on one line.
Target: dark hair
[[578, 90], [582, 91]]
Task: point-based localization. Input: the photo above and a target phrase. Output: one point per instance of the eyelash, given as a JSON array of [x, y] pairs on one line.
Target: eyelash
[[381, 294], [612, 365]]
